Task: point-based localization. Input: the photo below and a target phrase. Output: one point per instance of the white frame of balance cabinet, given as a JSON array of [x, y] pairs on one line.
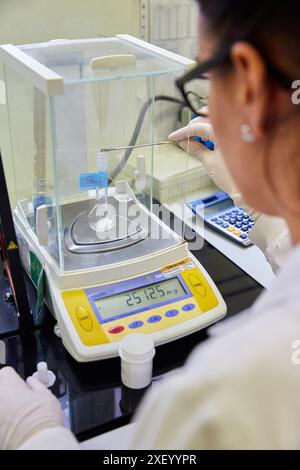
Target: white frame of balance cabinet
[[52, 84], [47, 81]]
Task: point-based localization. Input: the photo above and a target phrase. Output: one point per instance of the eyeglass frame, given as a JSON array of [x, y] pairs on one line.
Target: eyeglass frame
[[217, 60]]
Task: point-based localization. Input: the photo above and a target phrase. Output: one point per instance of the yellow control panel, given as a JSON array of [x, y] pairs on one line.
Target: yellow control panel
[[147, 304]]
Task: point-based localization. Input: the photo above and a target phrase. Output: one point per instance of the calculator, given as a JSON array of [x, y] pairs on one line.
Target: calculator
[[219, 213]]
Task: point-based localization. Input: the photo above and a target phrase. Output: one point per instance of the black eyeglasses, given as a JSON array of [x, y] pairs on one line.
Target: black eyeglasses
[[193, 85]]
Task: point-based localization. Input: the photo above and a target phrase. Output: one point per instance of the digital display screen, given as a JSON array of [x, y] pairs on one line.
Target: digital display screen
[[139, 299], [210, 199], [219, 207]]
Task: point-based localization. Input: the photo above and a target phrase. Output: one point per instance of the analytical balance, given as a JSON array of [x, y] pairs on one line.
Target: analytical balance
[[84, 217]]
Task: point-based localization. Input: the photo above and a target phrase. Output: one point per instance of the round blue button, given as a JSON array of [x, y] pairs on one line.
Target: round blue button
[[172, 313], [188, 307], [136, 324], [154, 319]]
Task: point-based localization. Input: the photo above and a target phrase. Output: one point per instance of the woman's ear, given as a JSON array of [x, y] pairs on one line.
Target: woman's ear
[[252, 91]]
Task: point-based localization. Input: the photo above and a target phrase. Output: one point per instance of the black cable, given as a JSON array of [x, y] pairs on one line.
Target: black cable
[[138, 127]]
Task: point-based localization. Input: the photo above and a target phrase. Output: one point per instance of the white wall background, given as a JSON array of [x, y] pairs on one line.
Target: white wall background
[[27, 21]]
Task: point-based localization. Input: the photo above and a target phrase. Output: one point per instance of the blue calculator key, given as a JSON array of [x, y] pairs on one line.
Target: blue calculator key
[[235, 211], [222, 216], [243, 237], [219, 222], [214, 219], [136, 324], [233, 221], [225, 225], [154, 319], [226, 218], [244, 229], [188, 307], [240, 218], [246, 217], [239, 225], [172, 313]]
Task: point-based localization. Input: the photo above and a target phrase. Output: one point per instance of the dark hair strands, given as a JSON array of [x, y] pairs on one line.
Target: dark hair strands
[[263, 22]]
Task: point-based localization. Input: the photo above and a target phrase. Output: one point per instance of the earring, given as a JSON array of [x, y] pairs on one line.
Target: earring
[[247, 134]]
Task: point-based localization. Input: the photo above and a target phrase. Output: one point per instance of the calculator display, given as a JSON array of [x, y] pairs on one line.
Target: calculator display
[[219, 207]]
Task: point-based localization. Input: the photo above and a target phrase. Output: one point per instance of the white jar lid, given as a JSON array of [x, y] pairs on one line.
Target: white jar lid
[[137, 347]]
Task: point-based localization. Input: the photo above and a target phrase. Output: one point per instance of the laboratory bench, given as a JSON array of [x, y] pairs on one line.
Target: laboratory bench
[[91, 394]]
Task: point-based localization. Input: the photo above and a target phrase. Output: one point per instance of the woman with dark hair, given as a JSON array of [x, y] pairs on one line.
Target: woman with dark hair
[[240, 389]]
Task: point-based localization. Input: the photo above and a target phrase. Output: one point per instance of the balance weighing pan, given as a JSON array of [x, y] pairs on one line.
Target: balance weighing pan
[[82, 249], [81, 238]]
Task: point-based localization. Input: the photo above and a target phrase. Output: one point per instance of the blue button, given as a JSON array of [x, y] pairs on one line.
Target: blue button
[[136, 324], [226, 219], [245, 229], [243, 237], [219, 222], [214, 219], [225, 225], [233, 221], [240, 218], [239, 225], [154, 319], [172, 313], [246, 217], [235, 211], [188, 307]]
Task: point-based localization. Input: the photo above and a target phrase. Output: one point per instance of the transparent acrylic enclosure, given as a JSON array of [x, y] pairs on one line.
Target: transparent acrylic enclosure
[[66, 102]]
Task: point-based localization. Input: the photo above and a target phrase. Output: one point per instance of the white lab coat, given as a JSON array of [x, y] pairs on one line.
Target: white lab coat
[[238, 390], [272, 236]]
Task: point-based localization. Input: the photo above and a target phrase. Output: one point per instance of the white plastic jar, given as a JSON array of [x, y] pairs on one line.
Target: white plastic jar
[[136, 352]]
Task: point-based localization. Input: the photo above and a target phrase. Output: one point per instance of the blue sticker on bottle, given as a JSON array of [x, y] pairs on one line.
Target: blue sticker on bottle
[[93, 180]]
